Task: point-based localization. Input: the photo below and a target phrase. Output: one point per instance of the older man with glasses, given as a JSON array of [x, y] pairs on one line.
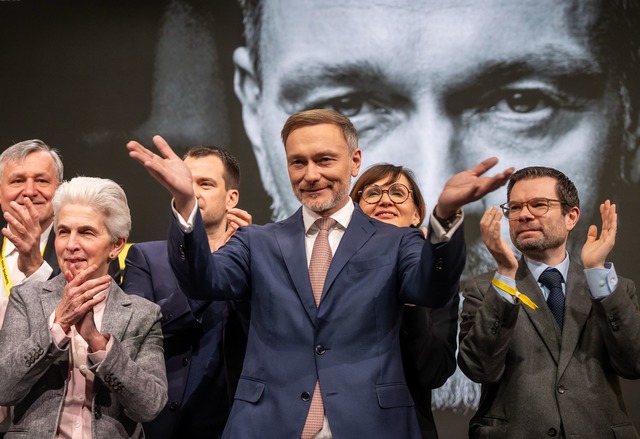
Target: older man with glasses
[[547, 338]]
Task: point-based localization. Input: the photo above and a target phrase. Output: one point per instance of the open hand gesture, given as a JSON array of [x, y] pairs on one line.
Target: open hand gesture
[[468, 186], [169, 170], [596, 250]]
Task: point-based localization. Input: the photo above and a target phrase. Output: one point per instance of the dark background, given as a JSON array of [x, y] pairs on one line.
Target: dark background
[[87, 76]]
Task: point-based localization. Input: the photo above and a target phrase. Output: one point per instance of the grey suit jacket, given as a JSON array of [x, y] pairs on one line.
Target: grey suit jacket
[[538, 381], [130, 383]]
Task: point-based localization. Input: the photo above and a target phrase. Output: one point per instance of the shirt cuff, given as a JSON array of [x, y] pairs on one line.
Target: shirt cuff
[[185, 226], [602, 281], [59, 337], [42, 274], [438, 234], [509, 282], [95, 358]]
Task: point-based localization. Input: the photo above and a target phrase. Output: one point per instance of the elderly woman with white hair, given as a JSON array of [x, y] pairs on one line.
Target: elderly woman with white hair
[[79, 357]]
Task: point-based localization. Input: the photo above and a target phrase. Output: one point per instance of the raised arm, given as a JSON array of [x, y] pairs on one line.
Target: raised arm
[[170, 171]]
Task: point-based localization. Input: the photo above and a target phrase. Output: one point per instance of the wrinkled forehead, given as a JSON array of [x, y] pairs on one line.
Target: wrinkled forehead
[[364, 27], [40, 162]]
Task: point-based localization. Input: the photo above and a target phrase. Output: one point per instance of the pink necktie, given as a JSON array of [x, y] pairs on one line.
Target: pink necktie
[[318, 267]]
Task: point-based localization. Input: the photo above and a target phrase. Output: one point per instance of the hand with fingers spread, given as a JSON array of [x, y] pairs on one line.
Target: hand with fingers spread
[[468, 186], [236, 218], [498, 247], [78, 297], [170, 170], [24, 232], [596, 250]]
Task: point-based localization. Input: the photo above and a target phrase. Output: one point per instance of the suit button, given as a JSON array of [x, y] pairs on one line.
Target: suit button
[[614, 326], [552, 432], [97, 414], [493, 331], [320, 349], [174, 406], [185, 362], [305, 396], [561, 389]]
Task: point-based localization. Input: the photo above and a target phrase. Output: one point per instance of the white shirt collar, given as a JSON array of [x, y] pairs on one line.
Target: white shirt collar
[[536, 268], [342, 216]]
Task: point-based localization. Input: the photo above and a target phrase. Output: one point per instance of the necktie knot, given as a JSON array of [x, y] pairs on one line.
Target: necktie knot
[[325, 223], [551, 278]]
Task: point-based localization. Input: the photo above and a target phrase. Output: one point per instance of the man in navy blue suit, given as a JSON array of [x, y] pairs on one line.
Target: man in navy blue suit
[[202, 365], [347, 346]]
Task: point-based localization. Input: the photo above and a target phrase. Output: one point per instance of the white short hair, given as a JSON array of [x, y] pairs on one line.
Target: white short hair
[[103, 195]]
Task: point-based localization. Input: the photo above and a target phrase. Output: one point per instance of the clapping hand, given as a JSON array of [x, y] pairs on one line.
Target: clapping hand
[[596, 249]]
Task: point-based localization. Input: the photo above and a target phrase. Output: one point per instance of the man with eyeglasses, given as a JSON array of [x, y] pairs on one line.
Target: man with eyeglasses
[[546, 337]]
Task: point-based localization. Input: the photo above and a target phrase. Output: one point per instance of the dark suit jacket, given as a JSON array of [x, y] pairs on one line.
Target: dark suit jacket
[[199, 396], [428, 345], [350, 342], [538, 381], [130, 383]]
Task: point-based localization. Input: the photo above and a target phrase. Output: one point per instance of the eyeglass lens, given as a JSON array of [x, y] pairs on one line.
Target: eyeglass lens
[[398, 193]]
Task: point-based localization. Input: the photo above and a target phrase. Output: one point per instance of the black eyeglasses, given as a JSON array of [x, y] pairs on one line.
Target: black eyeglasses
[[536, 207], [397, 192]]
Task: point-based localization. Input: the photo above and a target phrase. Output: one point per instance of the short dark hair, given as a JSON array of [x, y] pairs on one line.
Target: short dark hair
[[231, 173], [565, 189], [318, 117], [392, 173]]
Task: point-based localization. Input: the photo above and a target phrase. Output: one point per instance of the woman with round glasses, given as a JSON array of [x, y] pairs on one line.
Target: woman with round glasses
[[428, 336], [390, 193]]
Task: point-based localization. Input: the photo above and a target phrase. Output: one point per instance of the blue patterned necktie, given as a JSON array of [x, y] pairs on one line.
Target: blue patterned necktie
[[552, 279]]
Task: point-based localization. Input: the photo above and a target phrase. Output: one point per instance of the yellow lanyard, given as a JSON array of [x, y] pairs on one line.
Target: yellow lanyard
[[507, 289], [5, 271], [6, 277]]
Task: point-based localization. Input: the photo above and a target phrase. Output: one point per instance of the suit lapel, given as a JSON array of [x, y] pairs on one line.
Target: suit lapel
[[51, 294], [290, 238], [49, 254], [355, 236], [117, 312], [576, 311], [541, 318]]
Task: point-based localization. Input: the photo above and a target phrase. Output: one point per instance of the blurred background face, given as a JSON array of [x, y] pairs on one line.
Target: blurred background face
[[440, 86], [35, 178], [401, 215]]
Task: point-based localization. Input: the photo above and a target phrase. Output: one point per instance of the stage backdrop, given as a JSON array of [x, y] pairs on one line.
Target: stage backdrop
[[87, 76]]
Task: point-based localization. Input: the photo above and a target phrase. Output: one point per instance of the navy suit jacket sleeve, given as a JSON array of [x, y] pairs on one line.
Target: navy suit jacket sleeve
[[155, 282], [422, 267]]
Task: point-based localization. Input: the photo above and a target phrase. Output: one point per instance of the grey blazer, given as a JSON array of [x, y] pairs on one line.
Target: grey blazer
[[538, 381], [130, 383]]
